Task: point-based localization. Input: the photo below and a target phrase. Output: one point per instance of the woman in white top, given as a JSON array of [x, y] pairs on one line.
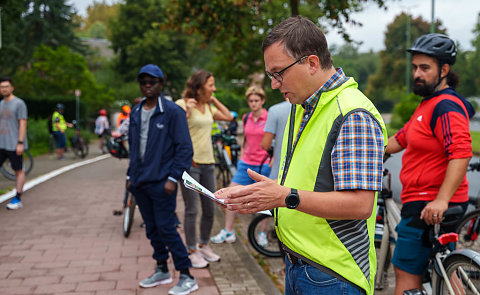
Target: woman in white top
[[202, 109], [101, 124]]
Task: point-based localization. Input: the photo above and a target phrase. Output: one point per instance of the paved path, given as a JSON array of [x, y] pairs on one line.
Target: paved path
[[66, 241]]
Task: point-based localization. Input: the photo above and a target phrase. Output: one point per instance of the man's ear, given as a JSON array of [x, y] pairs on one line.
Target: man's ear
[[445, 70], [314, 63]]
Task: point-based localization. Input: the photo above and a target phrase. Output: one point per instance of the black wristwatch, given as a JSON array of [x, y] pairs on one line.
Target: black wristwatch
[[292, 200]]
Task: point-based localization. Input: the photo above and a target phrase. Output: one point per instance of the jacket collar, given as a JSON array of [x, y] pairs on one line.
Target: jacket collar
[[160, 108]]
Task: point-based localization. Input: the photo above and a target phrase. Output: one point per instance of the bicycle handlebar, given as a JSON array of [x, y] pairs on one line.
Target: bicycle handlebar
[[474, 167]]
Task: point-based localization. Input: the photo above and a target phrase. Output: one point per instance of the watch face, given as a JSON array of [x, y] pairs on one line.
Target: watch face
[[292, 200]]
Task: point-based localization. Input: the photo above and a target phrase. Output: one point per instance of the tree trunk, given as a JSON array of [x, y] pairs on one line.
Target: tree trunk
[[294, 6]]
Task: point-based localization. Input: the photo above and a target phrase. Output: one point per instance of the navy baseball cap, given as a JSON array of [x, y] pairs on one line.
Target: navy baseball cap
[[152, 70]]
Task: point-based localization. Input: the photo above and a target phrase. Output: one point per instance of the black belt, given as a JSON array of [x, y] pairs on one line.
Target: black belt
[[295, 260]]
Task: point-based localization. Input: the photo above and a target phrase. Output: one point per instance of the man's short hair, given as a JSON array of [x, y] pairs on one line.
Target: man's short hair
[[300, 37], [8, 79]]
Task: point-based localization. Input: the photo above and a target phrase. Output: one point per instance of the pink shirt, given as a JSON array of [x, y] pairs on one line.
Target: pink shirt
[[253, 153]]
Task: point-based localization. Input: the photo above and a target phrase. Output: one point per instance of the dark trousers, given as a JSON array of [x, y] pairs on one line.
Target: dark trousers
[[158, 212]]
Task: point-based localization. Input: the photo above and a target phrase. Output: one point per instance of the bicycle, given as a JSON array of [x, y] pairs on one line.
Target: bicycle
[[468, 227], [78, 144], [273, 248], [115, 146], [226, 151], [129, 205], [447, 271], [9, 173]]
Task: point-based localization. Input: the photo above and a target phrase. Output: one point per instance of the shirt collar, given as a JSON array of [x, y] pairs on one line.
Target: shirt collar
[[335, 80]]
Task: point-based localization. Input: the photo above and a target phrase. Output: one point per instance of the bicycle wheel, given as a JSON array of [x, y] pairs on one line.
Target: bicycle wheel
[[463, 272], [80, 149], [9, 173], [382, 282], [266, 224], [129, 212], [223, 176], [468, 229]]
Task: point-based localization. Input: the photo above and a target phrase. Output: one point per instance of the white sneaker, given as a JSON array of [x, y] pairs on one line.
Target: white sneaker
[[15, 204], [197, 260], [208, 254], [262, 239], [224, 236]]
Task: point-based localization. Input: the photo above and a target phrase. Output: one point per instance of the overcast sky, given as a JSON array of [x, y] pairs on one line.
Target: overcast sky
[[458, 17]]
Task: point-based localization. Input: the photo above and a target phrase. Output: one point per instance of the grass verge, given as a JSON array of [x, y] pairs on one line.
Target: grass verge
[[475, 142]]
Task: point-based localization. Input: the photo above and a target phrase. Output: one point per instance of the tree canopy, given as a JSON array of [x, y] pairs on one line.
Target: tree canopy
[[95, 23], [27, 24], [57, 73], [237, 28], [138, 39], [385, 85]]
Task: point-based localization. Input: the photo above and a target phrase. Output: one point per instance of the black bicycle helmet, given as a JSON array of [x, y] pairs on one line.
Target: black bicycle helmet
[[437, 45], [60, 106]]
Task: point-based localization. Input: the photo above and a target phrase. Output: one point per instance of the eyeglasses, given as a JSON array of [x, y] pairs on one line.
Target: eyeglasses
[[278, 75], [145, 82]]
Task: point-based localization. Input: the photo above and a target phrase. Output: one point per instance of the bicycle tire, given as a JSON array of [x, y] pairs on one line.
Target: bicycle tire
[[467, 239], [80, 149], [273, 249], [129, 214], [9, 173], [463, 270], [386, 265], [223, 176]]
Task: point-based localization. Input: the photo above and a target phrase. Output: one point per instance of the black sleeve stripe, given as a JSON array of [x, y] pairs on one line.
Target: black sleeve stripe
[[447, 133], [443, 107]]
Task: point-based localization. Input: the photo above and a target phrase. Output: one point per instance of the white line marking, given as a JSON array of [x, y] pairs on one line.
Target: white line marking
[[36, 181]]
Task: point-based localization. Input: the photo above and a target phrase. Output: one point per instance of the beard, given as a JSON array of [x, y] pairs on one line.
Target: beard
[[423, 89]]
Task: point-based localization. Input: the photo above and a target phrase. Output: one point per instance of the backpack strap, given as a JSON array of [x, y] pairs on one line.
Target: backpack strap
[[245, 119]]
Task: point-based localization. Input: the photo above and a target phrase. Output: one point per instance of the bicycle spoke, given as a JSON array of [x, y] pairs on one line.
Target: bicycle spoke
[[466, 278]]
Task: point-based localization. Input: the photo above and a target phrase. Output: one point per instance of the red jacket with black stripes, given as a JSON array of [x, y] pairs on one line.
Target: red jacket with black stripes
[[437, 132]]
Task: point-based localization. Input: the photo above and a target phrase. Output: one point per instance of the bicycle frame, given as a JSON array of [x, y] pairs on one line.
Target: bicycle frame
[[442, 255], [391, 219]]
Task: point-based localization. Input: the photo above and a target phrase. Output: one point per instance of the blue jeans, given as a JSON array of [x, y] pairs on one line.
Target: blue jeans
[[302, 278]]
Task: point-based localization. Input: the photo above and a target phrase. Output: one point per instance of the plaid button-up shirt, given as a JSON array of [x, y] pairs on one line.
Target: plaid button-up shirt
[[357, 156]]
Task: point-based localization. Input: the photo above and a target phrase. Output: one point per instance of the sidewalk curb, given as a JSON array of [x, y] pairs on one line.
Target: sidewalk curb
[[263, 281], [40, 179]]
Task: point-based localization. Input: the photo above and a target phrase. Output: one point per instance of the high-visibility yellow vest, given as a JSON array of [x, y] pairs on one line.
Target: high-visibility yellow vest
[[345, 247], [61, 122]]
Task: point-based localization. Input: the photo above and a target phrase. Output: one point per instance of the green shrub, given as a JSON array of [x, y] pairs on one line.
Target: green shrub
[[475, 141], [39, 136], [404, 109]]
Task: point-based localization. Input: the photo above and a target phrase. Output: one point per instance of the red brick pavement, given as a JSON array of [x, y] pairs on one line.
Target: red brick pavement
[[65, 240]]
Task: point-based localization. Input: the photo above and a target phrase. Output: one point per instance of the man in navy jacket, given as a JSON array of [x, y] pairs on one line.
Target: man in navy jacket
[[160, 150]]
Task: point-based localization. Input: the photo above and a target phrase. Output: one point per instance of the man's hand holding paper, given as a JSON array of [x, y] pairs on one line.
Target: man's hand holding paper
[[265, 194]]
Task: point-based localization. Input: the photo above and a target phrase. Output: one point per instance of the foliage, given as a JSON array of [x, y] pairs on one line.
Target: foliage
[[404, 109], [60, 72], [98, 30], [390, 78], [468, 66], [237, 43], [138, 39], [233, 101], [475, 141], [29, 23], [39, 137], [98, 13], [355, 64]]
